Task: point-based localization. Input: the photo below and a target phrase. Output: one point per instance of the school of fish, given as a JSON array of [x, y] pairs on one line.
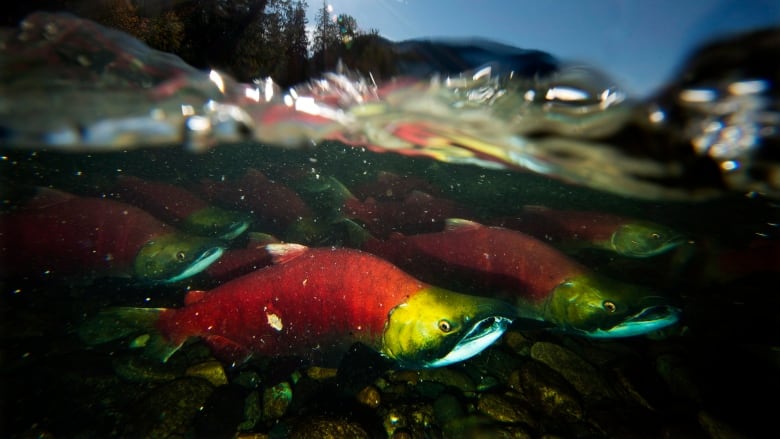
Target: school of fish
[[407, 278]]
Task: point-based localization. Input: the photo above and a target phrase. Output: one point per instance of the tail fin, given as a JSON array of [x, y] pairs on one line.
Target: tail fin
[[117, 323]]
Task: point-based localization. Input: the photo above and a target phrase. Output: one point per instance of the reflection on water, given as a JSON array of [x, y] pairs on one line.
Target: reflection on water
[[713, 131], [659, 218]]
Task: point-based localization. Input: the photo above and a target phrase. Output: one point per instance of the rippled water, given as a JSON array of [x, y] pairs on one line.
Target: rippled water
[[699, 159]]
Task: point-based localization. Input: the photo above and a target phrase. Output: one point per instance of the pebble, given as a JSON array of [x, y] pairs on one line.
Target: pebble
[[212, 371], [326, 428], [276, 400], [369, 396], [321, 373]]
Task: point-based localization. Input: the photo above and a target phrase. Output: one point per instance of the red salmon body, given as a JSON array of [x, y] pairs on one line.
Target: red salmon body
[[315, 304], [68, 234], [558, 226], [390, 186], [576, 230], [238, 262], [167, 202], [490, 257], [417, 212], [272, 203]]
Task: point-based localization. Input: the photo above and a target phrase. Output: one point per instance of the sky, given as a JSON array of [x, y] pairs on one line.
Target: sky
[[640, 44]]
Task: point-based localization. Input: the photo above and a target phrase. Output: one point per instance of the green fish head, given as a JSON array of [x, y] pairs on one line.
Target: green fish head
[[598, 307], [175, 256], [221, 223], [436, 327], [308, 231], [644, 239]]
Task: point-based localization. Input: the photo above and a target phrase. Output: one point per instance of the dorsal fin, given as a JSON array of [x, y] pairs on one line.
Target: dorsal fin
[[535, 208], [339, 189], [418, 196], [387, 177], [194, 296], [46, 196], [282, 253], [259, 239], [256, 175], [454, 224]]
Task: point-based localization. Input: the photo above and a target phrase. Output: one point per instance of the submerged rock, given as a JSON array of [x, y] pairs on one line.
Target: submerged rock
[[327, 428], [548, 391], [506, 408], [583, 376], [276, 400], [369, 396], [412, 418], [137, 369], [212, 371], [169, 409]]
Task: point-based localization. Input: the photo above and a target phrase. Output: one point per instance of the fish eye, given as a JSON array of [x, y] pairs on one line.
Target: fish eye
[[609, 306], [445, 326], [655, 236], [180, 256]]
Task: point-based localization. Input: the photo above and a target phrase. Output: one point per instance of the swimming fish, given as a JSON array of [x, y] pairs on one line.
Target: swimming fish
[[316, 303], [412, 212], [180, 207], [274, 205], [58, 233], [391, 186], [544, 283], [417, 212], [573, 230]]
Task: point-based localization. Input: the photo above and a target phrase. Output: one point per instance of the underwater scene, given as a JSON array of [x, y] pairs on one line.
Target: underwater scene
[[218, 224]]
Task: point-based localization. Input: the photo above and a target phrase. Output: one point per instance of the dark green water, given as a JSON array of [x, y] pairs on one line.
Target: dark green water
[[712, 375]]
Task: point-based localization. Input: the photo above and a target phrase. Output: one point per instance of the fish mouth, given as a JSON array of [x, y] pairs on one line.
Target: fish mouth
[[436, 327], [481, 335], [208, 257], [648, 319]]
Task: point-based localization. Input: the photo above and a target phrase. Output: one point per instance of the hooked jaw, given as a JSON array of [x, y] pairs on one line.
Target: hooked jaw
[[208, 257], [175, 256], [437, 327], [597, 307], [476, 340], [647, 320]]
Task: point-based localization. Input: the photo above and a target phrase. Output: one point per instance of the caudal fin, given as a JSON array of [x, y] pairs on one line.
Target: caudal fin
[[118, 323]]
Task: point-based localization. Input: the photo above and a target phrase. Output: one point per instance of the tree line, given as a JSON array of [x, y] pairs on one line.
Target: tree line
[[247, 39]]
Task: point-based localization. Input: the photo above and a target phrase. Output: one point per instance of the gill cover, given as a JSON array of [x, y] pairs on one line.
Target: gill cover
[[437, 327], [599, 307], [175, 256]]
